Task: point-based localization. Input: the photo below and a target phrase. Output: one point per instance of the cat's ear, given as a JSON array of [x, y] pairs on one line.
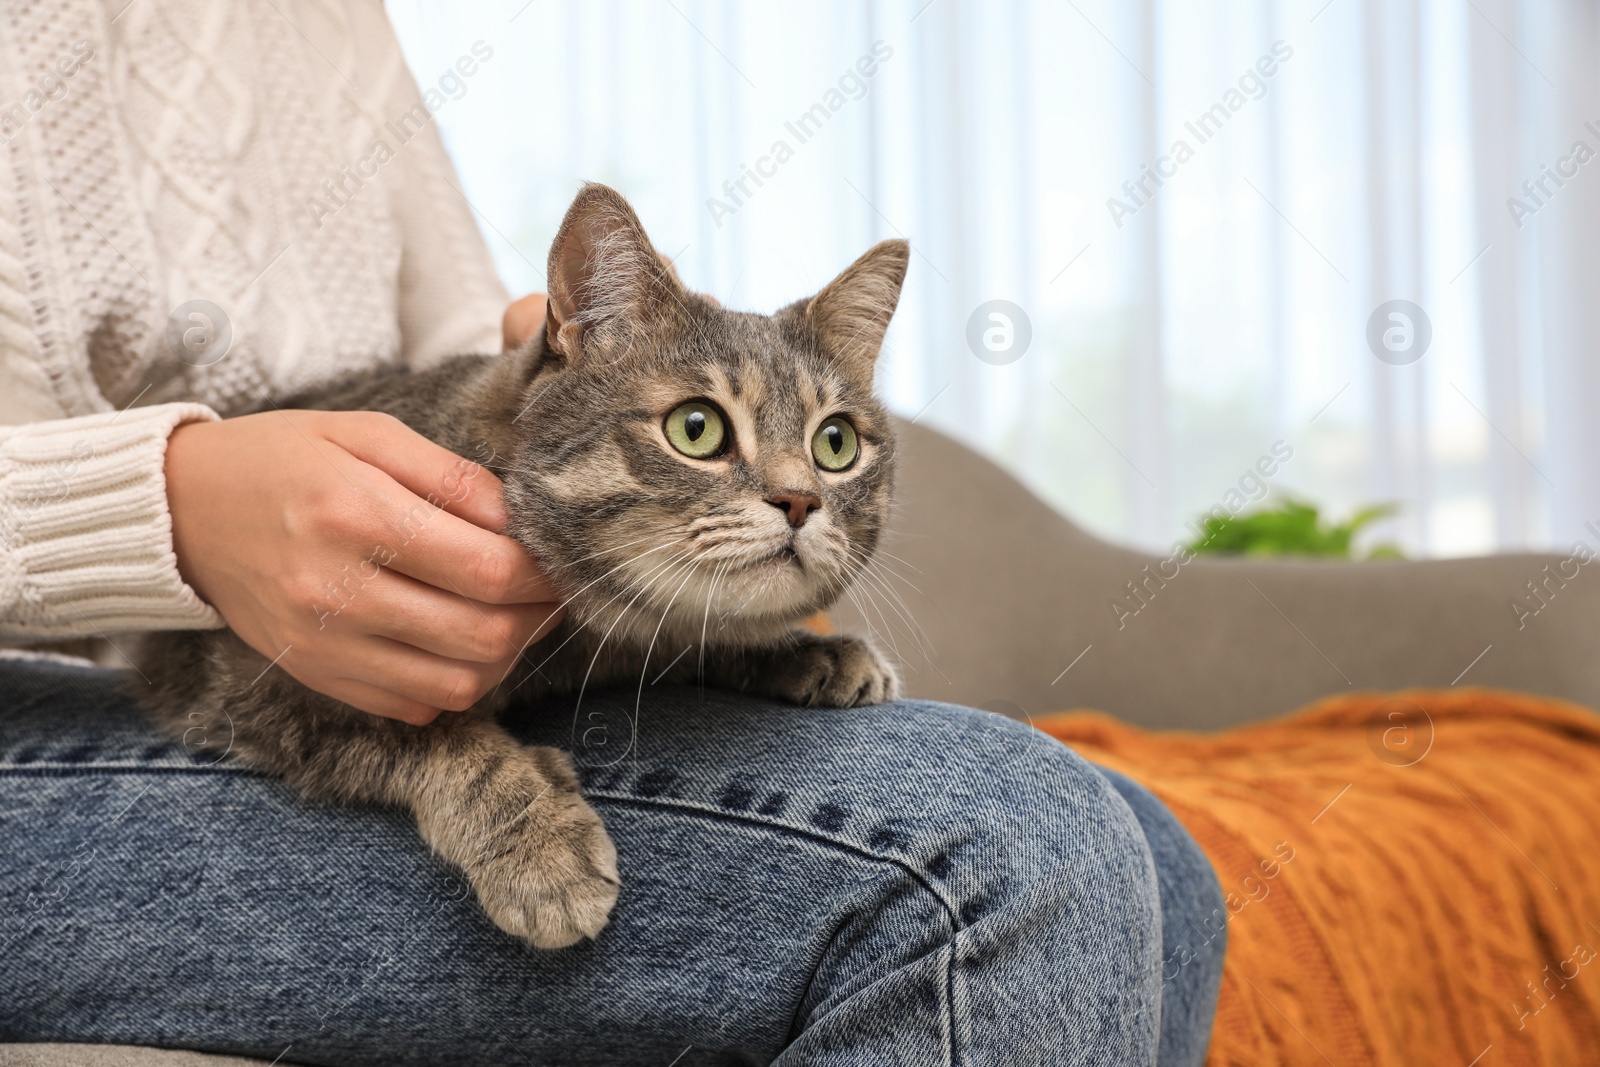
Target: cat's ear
[[851, 314], [608, 286]]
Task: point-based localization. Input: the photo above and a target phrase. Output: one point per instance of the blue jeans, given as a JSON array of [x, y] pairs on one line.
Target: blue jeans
[[912, 884]]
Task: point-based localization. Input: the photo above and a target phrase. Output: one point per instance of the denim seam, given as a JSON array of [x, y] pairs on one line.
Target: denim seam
[[689, 807], [81, 770], [950, 996], [797, 831]]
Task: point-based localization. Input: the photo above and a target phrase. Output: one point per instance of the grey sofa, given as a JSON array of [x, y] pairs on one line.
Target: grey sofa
[[1010, 594], [1013, 604]]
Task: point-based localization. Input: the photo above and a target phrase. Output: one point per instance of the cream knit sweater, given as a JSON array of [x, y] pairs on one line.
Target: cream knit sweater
[[155, 152]]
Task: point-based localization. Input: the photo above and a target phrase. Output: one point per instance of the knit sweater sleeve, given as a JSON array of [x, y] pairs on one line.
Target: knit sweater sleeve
[[85, 535]]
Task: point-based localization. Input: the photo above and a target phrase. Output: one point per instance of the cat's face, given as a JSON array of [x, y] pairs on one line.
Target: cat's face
[[690, 467]]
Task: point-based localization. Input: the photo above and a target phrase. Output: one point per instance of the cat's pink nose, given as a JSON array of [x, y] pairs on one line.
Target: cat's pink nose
[[797, 506]]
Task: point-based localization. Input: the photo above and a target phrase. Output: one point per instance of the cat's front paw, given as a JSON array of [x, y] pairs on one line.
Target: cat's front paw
[[831, 672], [548, 874]]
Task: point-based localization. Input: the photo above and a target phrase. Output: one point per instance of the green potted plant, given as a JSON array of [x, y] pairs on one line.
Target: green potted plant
[[1292, 528]]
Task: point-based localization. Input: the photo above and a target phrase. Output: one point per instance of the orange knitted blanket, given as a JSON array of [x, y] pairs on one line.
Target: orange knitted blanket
[[1411, 878]]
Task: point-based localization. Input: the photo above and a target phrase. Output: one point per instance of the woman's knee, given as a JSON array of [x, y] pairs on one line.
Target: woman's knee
[[1025, 806], [1047, 867]]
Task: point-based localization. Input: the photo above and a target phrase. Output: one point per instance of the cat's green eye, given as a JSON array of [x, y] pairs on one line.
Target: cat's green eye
[[834, 444], [696, 429]]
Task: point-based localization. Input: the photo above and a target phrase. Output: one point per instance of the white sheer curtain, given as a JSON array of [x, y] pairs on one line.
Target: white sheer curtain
[[1335, 155]]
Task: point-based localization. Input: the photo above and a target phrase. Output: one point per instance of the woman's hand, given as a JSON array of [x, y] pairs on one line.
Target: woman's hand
[[361, 557], [522, 319]]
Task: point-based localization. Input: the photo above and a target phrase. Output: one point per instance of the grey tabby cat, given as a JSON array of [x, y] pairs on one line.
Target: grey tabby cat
[[686, 474]]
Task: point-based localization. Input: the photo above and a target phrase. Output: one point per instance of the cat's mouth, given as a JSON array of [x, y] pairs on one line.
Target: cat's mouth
[[783, 557]]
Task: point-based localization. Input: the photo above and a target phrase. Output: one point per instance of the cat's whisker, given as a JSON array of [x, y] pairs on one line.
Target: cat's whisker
[[705, 619], [878, 559], [867, 561], [922, 644], [886, 578], [583, 624], [694, 568], [896, 603], [641, 585], [625, 563], [855, 599], [887, 569], [883, 582], [882, 554], [599, 648], [661, 574], [638, 701], [603, 552], [869, 570], [887, 633]]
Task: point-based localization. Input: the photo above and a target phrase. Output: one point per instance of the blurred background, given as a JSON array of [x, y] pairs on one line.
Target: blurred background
[[1153, 242]]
